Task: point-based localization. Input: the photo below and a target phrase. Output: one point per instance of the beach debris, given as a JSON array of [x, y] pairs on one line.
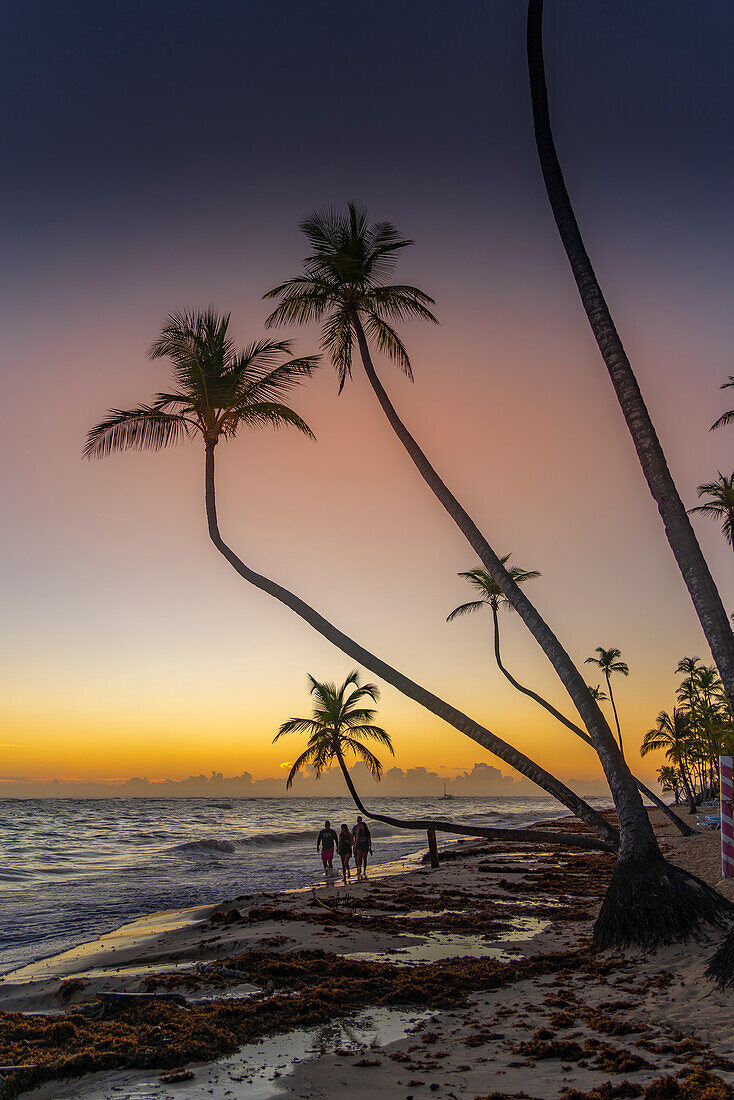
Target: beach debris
[[177, 1075], [228, 916]]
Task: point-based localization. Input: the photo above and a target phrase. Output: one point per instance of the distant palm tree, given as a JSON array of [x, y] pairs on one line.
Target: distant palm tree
[[491, 595], [344, 285], [608, 661], [340, 723], [669, 780], [220, 390], [720, 504], [672, 733], [727, 417], [598, 694]]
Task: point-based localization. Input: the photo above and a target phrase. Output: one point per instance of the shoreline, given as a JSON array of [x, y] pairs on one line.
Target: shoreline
[[519, 921]]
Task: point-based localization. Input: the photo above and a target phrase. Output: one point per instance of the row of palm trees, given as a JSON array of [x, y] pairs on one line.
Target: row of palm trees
[[693, 734], [345, 285]]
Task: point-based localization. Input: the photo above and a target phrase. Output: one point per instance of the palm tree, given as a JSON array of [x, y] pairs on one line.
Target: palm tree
[[720, 504], [490, 594], [680, 533], [598, 694], [340, 723], [608, 661], [344, 285], [727, 417], [220, 390], [669, 780], [671, 733]]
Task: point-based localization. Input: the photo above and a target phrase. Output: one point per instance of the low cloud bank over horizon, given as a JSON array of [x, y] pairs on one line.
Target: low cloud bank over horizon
[[483, 779]]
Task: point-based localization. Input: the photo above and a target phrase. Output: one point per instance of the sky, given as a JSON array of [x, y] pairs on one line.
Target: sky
[[160, 156]]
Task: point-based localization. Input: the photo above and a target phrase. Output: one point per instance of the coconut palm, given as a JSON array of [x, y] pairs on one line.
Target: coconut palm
[[671, 733], [341, 721], [344, 285], [720, 503], [670, 781], [218, 391], [608, 661], [727, 417], [680, 533], [491, 595], [598, 694]]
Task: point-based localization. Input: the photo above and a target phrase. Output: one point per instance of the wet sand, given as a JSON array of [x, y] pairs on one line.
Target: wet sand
[[475, 979]]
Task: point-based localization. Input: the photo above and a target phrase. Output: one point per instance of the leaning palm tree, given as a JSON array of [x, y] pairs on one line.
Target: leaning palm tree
[[681, 536], [345, 286], [608, 662], [220, 390], [339, 724], [720, 503], [491, 595], [727, 417]]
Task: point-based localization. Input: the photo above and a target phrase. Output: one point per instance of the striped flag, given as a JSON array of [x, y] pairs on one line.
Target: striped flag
[[727, 816]]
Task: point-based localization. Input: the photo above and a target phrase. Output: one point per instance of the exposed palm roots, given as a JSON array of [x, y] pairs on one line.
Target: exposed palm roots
[[650, 902]]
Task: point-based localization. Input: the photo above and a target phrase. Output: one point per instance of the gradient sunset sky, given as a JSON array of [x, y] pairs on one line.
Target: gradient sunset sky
[[160, 156]]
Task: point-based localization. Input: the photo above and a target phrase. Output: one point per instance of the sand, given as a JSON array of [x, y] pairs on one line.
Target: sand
[[577, 1022]]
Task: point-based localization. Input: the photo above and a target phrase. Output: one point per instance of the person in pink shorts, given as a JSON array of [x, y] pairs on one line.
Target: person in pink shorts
[[326, 842]]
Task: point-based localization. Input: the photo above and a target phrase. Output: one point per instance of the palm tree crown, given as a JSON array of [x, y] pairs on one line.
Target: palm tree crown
[[720, 504], [344, 284], [489, 591], [340, 722], [218, 388], [608, 661]]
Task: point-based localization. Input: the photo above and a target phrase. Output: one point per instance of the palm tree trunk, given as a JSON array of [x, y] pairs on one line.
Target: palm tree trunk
[[680, 825], [687, 787], [614, 708], [681, 537], [531, 836], [636, 834], [397, 679]]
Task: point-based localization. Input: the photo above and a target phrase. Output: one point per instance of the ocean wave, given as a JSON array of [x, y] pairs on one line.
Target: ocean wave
[[272, 839]]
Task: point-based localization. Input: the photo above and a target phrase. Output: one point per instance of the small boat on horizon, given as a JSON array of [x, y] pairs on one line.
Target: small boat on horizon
[[444, 791]]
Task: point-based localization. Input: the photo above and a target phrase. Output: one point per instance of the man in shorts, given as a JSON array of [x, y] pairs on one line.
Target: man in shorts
[[326, 842]]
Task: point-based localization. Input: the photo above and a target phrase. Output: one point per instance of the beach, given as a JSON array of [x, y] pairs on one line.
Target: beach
[[472, 979]]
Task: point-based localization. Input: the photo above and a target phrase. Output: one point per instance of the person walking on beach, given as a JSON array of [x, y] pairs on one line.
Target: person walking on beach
[[345, 851], [327, 841], [362, 839]]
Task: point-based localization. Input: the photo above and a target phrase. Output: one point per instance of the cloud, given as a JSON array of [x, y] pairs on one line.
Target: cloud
[[286, 764]]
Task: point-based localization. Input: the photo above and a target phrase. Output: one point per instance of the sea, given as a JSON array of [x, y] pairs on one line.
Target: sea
[[73, 869]]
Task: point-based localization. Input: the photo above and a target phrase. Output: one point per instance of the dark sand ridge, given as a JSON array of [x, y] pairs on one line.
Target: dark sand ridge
[[529, 1011]]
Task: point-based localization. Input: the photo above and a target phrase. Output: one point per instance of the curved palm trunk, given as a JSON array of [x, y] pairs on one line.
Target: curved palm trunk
[[614, 708], [681, 826], [423, 824], [403, 684], [637, 838], [681, 537]]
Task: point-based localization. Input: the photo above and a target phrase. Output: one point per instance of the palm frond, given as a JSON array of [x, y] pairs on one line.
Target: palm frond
[[298, 725], [264, 414], [361, 752], [144, 428], [388, 342], [464, 609]]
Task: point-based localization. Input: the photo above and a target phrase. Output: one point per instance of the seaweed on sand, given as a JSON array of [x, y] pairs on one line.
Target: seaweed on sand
[[316, 987]]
